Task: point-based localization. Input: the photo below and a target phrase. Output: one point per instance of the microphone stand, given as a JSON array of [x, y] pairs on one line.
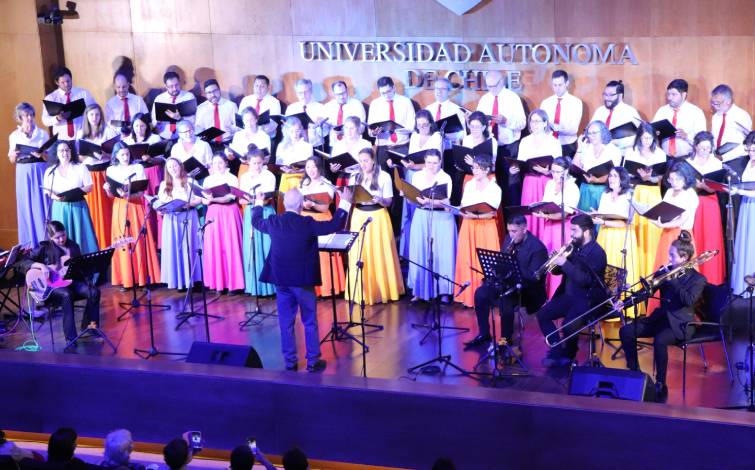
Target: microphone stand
[[750, 406], [135, 301], [427, 366], [563, 206], [185, 316], [251, 316], [729, 228]]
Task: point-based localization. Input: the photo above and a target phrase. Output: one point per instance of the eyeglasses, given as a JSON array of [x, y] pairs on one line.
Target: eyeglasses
[[610, 95]]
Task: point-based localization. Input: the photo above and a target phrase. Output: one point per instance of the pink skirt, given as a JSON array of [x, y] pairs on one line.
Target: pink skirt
[[551, 238], [223, 258], [155, 220], [533, 189]]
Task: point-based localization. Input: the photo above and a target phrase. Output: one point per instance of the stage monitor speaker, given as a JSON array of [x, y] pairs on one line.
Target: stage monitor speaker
[[603, 382], [224, 354]]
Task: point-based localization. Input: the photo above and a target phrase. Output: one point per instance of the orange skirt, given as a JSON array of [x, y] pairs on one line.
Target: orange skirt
[[339, 276], [474, 233], [100, 209], [121, 270]]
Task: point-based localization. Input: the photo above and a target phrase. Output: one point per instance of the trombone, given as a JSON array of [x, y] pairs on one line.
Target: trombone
[[635, 297]]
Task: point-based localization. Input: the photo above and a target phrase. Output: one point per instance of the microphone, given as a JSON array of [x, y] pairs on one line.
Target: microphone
[[366, 223], [512, 290], [729, 170], [204, 225], [462, 288], [254, 188], [130, 177]]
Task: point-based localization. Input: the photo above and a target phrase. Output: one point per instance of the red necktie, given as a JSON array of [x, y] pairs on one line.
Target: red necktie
[[672, 139], [173, 124], [608, 120], [257, 108], [437, 113], [339, 120], [392, 117], [70, 121], [217, 123], [557, 117], [126, 111], [721, 131], [495, 113]]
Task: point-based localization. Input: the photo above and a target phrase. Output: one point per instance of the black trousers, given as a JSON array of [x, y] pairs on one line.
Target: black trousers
[[487, 298], [567, 307], [655, 326], [64, 297]]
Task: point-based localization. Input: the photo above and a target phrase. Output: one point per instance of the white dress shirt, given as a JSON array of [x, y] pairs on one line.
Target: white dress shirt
[[510, 106], [622, 114], [61, 128], [315, 111], [114, 109], [449, 108], [266, 103], [689, 118], [242, 140], [569, 118], [353, 107], [163, 128], [265, 179], [738, 125], [403, 115], [227, 111], [384, 183]]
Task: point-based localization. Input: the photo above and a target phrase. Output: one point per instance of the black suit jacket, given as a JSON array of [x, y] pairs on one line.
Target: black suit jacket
[[584, 273], [530, 255], [678, 299], [294, 260]]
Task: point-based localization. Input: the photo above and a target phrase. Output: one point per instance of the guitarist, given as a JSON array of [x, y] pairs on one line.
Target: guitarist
[[49, 257]]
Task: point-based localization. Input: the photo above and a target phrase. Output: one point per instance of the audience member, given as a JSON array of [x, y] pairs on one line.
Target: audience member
[[176, 454], [118, 448], [295, 459]]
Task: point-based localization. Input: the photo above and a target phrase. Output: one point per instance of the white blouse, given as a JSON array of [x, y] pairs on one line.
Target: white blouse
[[216, 179], [265, 179], [107, 134], [490, 194], [178, 192], [242, 139], [120, 173], [686, 199], [590, 160], [529, 147], [385, 185], [424, 180], [59, 180], [37, 139], [317, 187], [201, 151], [295, 152], [571, 194], [634, 155], [432, 142], [619, 206]]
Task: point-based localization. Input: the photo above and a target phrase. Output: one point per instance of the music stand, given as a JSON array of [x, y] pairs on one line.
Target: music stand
[[86, 266], [501, 271], [339, 242]]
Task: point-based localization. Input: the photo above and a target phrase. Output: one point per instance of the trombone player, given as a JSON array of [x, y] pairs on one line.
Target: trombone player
[[680, 290], [583, 265]]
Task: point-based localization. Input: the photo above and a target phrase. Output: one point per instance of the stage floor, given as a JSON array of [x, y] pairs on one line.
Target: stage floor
[[391, 351]]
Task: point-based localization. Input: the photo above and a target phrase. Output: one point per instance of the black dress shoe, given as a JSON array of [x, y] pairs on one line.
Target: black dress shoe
[[478, 340], [661, 392], [292, 367], [317, 366]]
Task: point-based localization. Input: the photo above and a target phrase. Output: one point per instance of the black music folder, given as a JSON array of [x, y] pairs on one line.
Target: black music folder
[[75, 108], [184, 108]]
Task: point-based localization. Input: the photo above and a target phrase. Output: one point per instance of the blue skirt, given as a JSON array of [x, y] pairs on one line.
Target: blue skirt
[[744, 247], [76, 219], [407, 212], [31, 203], [261, 242], [444, 236], [589, 196], [176, 270]]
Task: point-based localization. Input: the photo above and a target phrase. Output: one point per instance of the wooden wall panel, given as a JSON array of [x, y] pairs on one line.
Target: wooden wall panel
[[191, 54], [22, 78], [333, 18], [603, 18], [109, 16], [704, 18], [251, 17], [507, 18], [97, 59], [170, 16], [399, 18]]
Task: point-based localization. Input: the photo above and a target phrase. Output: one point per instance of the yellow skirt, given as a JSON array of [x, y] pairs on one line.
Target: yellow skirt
[[100, 209], [474, 233], [648, 235], [339, 278], [121, 264], [288, 181], [612, 241], [381, 272]]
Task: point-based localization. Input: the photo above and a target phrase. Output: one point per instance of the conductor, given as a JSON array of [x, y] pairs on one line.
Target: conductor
[[293, 265]]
